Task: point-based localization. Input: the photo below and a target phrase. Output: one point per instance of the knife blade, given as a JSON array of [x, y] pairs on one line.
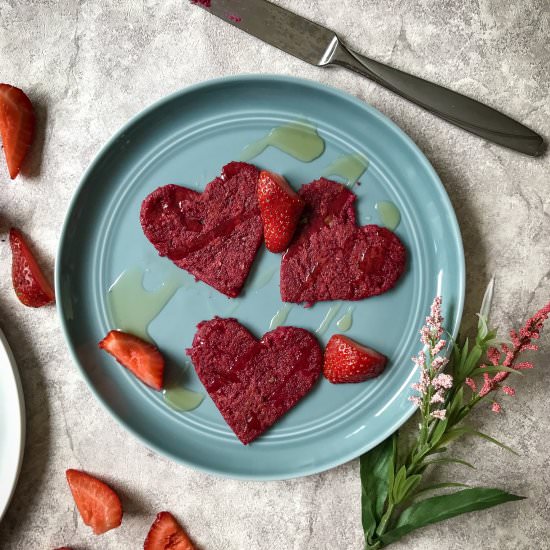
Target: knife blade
[[320, 46], [275, 25]]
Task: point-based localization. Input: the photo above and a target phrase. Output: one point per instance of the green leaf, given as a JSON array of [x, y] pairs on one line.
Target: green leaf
[[375, 469], [436, 486], [392, 465], [465, 349], [493, 440], [438, 432], [471, 361], [442, 507], [482, 329], [409, 486], [437, 450], [456, 355], [493, 370], [448, 461], [486, 304], [454, 408], [400, 479], [455, 433], [463, 357]]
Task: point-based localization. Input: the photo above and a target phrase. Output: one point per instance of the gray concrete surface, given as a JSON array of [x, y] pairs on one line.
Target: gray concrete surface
[[90, 65]]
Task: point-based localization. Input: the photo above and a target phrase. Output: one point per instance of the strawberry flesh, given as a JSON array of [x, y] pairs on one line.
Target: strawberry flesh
[[347, 361], [280, 208], [167, 534], [30, 284], [141, 358], [98, 504], [17, 122]]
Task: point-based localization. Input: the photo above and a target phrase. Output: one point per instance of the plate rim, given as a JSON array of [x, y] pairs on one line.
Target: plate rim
[[21, 418], [252, 77]]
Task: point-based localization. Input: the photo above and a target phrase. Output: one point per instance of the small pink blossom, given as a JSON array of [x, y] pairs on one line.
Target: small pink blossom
[[515, 338], [496, 408], [442, 381], [440, 414], [430, 335], [509, 391], [530, 347], [416, 400], [439, 362], [420, 359], [425, 335], [438, 397], [432, 330], [524, 365], [435, 312], [425, 379], [439, 347], [471, 384], [493, 355], [521, 342]]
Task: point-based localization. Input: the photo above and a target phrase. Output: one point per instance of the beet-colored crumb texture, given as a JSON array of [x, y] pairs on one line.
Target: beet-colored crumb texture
[[215, 234], [254, 382], [331, 258]]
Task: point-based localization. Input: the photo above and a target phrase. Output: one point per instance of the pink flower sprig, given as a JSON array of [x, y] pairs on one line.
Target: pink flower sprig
[[433, 385], [444, 406], [508, 356]]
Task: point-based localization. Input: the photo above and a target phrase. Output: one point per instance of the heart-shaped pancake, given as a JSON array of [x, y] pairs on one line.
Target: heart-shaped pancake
[[254, 382], [215, 234], [331, 258]]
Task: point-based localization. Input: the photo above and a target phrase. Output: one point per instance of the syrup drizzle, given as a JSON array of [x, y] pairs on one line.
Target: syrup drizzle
[[331, 313], [280, 317], [132, 307], [389, 214], [345, 322], [348, 167], [298, 139]]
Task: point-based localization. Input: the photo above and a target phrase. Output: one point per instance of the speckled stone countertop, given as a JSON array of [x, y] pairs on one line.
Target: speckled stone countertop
[[88, 66]]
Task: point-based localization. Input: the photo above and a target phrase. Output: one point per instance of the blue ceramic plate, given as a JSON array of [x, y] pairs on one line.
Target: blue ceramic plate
[[186, 138]]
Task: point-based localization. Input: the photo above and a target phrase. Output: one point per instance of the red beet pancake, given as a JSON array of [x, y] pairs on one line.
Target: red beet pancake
[[254, 382], [331, 258], [215, 234]]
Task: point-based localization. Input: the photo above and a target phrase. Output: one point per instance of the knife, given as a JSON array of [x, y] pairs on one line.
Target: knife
[[320, 46]]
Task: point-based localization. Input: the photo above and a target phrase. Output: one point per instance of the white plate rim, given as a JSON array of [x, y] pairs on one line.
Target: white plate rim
[[15, 405]]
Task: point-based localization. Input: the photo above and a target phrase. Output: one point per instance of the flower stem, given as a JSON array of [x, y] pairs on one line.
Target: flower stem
[[383, 525]]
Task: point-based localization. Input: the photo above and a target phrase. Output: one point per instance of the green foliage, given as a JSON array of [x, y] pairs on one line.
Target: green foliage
[[442, 507], [392, 473], [375, 467]]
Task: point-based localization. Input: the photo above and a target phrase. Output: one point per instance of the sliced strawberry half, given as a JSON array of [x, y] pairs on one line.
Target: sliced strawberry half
[[348, 361], [30, 284], [280, 208], [17, 122], [97, 503], [141, 358], [167, 534]]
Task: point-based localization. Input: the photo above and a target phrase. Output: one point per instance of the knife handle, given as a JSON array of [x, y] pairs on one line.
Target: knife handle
[[453, 107]]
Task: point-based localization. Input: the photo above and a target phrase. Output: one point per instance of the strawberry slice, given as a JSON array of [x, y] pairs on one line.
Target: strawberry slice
[[97, 503], [29, 283], [280, 208], [348, 361], [17, 123], [141, 358], [167, 534]]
